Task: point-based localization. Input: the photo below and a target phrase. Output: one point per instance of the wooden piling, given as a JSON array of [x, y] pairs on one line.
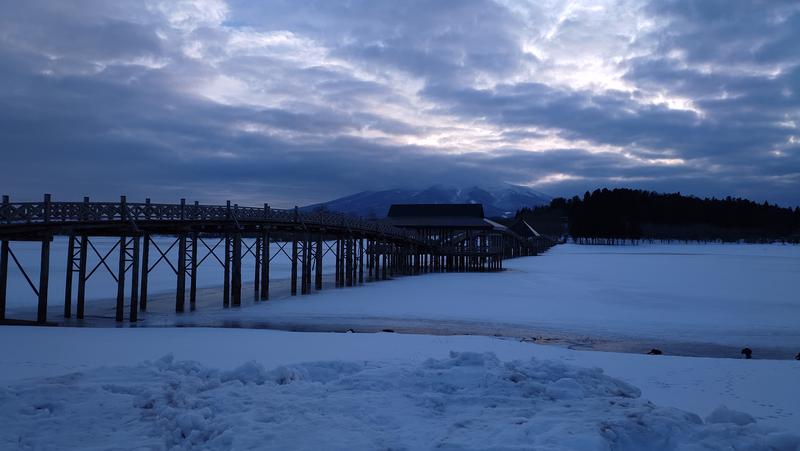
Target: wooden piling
[[44, 268], [193, 272], [338, 266], [180, 292], [145, 271], [3, 273], [360, 260], [120, 310], [348, 262], [68, 281], [303, 272], [294, 265], [318, 256], [265, 256], [82, 256], [257, 269], [44, 278], [134, 310], [236, 282], [226, 284]]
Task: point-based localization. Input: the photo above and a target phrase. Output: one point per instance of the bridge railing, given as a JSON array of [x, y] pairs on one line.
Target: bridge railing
[[17, 213]]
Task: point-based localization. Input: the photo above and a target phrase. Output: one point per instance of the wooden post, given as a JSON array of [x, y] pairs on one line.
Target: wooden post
[[193, 273], [134, 311], [44, 268], [265, 256], [369, 260], [82, 277], [120, 313], [226, 285], [3, 273], [44, 276], [348, 262], [318, 256], [336, 273], [145, 271], [390, 256], [303, 258], [354, 254], [294, 264], [180, 292], [257, 272], [236, 282], [385, 260], [361, 260], [4, 267], [307, 259], [68, 281]]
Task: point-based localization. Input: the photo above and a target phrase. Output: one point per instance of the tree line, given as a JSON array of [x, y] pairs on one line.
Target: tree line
[[624, 215]]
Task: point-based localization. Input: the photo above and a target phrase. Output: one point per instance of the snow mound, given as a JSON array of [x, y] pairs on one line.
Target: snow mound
[[722, 414], [465, 401]]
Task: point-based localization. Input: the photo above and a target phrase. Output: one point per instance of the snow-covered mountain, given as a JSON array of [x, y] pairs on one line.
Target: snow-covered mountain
[[502, 200]]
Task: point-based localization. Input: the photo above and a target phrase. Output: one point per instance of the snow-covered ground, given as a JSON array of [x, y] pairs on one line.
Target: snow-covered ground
[[672, 296], [237, 388], [81, 388]]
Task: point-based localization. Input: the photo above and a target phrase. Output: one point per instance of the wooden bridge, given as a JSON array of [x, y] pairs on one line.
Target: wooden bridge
[[363, 250]]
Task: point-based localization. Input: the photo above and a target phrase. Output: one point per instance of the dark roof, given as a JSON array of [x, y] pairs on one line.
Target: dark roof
[[453, 222], [436, 211]]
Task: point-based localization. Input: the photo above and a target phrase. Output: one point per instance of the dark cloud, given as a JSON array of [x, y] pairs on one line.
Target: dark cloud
[[296, 103]]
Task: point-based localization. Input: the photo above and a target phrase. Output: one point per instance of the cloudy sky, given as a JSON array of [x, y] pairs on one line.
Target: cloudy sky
[[291, 102]]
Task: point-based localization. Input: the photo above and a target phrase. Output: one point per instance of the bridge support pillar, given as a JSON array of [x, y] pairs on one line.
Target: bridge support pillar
[[81, 301], [385, 256], [348, 264], [265, 257], [145, 271], [318, 257], [68, 281], [236, 276], [180, 293], [226, 274], [361, 260], [134, 311], [44, 280], [309, 261], [193, 272], [257, 272], [120, 310], [336, 264], [376, 261], [3, 273], [304, 266], [294, 265]]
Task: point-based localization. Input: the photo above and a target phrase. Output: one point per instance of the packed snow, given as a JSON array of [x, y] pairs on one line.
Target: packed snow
[[765, 389], [464, 400]]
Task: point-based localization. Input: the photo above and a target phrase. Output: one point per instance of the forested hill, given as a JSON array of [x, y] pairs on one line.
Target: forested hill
[[625, 214]]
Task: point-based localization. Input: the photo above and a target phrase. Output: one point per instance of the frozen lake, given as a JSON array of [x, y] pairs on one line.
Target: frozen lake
[[712, 298], [690, 299]]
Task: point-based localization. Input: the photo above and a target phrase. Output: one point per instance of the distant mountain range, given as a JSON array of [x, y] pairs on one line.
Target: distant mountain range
[[498, 201]]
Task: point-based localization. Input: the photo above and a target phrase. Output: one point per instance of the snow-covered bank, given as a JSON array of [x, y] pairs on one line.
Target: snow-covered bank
[[463, 401], [765, 389]]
